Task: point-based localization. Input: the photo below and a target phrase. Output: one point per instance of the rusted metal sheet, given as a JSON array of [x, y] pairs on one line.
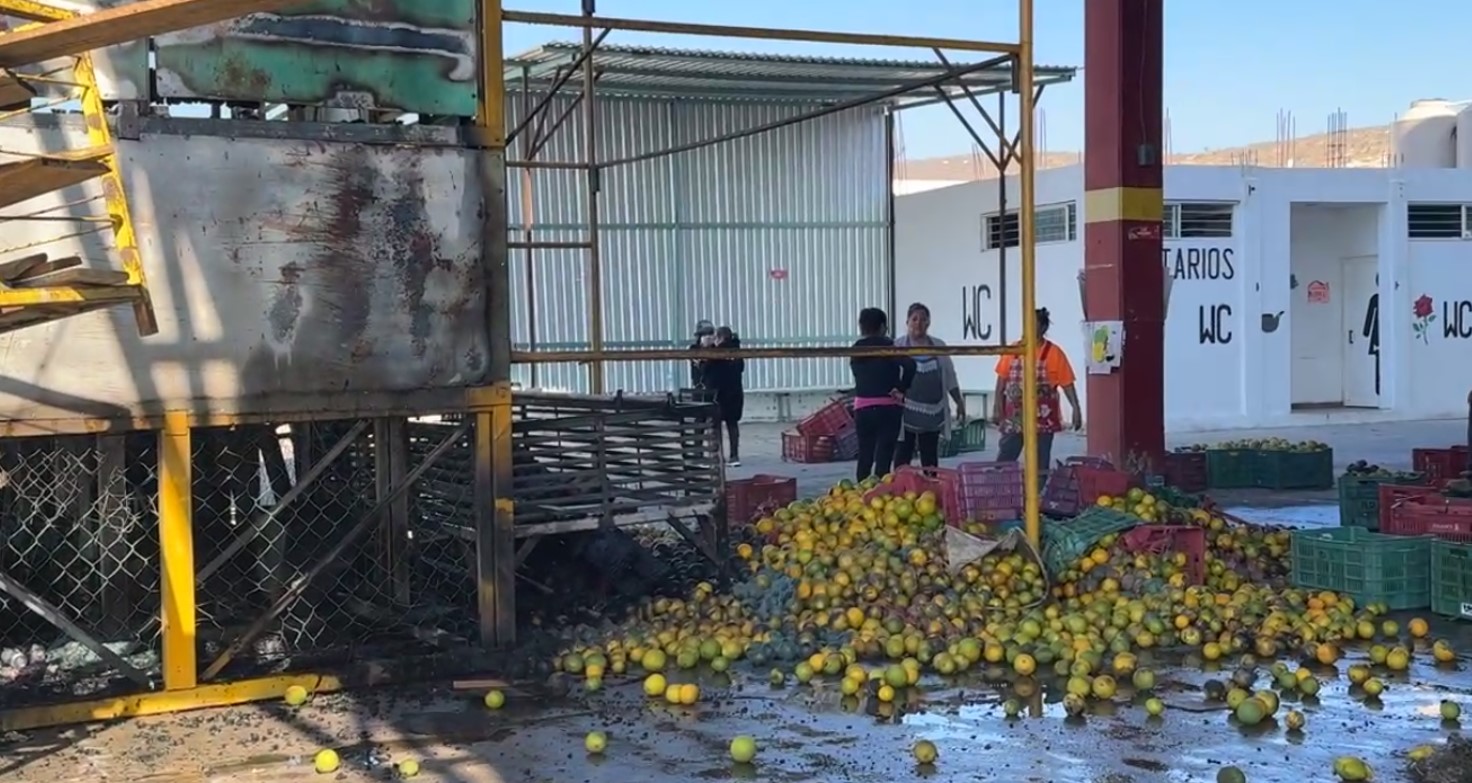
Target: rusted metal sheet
[[409, 55], [122, 70], [286, 275]]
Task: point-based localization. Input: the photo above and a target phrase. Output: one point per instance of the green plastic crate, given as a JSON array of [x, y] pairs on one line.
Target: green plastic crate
[[1065, 541], [1231, 468], [1359, 496], [1370, 567], [1451, 579], [969, 438], [1294, 469]]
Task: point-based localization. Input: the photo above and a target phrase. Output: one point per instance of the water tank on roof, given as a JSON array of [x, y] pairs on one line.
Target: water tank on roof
[[1464, 137], [1425, 136]]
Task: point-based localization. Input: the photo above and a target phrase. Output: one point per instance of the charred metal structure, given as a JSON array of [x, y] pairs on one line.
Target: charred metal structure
[[315, 460]]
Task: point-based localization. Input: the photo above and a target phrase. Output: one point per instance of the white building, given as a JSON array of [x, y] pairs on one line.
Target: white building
[[1281, 280]]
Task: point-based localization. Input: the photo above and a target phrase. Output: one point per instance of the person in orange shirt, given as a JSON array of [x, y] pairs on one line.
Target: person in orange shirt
[[1055, 374]]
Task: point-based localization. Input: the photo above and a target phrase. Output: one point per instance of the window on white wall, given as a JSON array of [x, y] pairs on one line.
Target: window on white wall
[[1437, 221], [1055, 223], [1198, 220]]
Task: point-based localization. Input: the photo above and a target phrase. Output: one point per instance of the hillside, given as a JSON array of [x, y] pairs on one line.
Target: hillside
[[1362, 147]]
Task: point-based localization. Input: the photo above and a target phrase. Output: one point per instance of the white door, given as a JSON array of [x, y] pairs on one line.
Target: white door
[[1360, 299]]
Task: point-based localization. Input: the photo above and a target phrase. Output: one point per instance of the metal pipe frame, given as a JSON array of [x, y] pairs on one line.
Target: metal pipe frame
[[495, 530]]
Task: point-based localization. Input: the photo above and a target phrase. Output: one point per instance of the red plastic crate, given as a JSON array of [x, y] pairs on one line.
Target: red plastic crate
[[846, 444], [1186, 471], [827, 421], [991, 491], [1392, 495], [797, 447], [1079, 481], [1445, 518], [749, 498], [1439, 465], [1159, 539], [944, 482]]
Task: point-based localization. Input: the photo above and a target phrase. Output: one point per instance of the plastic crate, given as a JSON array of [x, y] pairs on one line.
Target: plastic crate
[[1064, 542], [1079, 481], [1189, 540], [1231, 468], [1359, 496], [943, 482], [1370, 567], [1394, 494], [828, 421], [1451, 579], [1294, 469], [1439, 465], [991, 491], [1445, 518], [969, 438], [846, 444], [797, 447], [749, 498], [1186, 471]]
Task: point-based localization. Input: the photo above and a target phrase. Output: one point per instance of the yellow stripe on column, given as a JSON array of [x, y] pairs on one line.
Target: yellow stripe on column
[[1107, 205]]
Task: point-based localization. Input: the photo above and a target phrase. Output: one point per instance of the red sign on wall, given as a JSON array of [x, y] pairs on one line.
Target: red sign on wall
[[1318, 292], [777, 274]]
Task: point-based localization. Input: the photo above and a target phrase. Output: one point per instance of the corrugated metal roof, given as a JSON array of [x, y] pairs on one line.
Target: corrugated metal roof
[[651, 71]]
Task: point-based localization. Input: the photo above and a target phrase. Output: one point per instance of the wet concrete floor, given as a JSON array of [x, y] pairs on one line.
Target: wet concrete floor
[[804, 734]]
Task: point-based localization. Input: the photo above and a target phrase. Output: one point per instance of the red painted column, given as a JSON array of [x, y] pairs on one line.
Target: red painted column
[[1124, 277]]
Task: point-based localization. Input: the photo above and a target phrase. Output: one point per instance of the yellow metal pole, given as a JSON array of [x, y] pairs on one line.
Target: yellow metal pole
[[491, 405], [176, 552], [1032, 511]]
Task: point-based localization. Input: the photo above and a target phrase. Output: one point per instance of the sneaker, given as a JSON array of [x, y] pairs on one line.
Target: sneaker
[[733, 463]]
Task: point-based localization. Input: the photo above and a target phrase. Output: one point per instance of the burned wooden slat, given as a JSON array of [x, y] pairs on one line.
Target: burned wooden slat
[[15, 93], [96, 278], [23, 180], [120, 24], [15, 268]]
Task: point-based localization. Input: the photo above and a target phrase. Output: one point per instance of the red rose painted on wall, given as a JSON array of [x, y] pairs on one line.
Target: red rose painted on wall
[[1422, 318]]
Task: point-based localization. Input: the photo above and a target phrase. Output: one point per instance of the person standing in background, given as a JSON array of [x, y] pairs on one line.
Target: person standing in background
[[705, 337], [880, 384], [724, 378], [927, 416], [1055, 374]]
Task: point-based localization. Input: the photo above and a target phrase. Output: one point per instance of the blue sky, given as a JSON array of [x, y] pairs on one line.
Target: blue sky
[[1230, 67]]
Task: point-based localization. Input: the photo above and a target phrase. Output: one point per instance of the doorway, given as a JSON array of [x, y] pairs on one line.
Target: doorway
[[1361, 346], [1334, 305]]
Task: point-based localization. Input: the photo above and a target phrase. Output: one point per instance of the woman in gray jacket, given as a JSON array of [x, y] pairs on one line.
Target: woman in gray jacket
[[927, 417]]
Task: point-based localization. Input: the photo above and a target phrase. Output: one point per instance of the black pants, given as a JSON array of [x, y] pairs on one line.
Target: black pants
[[878, 429], [1009, 449], [927, 443], [733, 439]]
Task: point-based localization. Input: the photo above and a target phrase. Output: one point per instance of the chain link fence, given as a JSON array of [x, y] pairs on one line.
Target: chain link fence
[[324, 543], [79, 566], [308, 552]]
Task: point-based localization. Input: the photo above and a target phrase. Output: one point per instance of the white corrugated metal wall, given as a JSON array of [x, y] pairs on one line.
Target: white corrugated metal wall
[[784, 236]]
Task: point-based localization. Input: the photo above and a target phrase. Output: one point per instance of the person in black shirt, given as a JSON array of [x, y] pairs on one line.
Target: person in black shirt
[[723, 377], [705, 337], [880, 384]]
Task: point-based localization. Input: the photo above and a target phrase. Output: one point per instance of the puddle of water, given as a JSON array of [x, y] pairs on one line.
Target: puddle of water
[[1291, 516]]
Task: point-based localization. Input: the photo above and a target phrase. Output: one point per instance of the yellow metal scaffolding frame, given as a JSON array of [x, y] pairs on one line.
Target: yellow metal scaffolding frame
[[492, 121], [490, 406]]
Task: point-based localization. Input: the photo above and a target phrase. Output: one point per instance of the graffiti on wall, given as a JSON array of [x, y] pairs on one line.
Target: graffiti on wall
[[408, 55]]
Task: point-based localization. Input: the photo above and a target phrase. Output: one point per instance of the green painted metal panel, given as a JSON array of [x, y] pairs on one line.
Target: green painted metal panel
[[409, 55]]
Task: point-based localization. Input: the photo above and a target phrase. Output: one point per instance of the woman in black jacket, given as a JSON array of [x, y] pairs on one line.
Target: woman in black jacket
[[723, 377], [880, 384]]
